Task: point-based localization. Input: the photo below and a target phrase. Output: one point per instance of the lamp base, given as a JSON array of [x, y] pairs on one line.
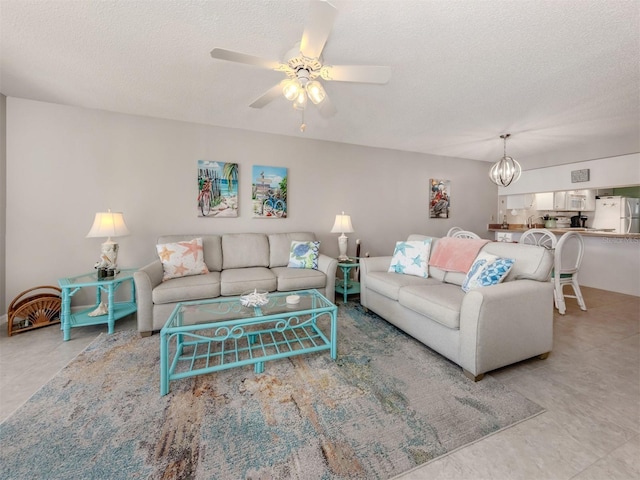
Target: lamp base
[[108, 256], [342, 247], [105, 273]]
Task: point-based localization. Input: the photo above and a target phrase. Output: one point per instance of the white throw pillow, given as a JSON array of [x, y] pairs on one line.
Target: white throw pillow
[[182, 259], [411, 258], [487, 270]]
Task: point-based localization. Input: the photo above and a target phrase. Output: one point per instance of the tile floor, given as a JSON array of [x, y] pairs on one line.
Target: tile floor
[[589, 385]]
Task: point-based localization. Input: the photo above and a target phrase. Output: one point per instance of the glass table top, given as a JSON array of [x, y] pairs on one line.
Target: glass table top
[[92, 278], [224, 309]]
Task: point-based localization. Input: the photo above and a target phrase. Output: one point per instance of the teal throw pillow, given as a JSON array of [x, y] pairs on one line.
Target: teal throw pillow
[[304, 255], [411, 258], [487, 270]]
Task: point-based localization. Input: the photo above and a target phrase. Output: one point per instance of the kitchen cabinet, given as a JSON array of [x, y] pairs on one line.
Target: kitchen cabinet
[[544, 201], [591, 201], [559, 200], [520, 202]]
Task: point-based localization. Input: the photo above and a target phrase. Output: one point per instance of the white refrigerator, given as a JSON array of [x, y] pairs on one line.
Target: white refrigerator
[[619, 213]]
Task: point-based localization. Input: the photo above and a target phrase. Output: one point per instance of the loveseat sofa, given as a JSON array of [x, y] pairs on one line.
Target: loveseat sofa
[[235, 264], [480, 330]]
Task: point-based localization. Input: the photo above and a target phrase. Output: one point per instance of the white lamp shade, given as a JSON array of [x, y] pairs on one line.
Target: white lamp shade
[[108, 224], [342, 224]]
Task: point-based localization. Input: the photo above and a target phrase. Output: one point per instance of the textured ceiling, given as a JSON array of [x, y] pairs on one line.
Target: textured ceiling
[[557, 75]]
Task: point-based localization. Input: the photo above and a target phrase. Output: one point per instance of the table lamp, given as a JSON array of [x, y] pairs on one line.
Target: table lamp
[[108, 224], [342, 225]]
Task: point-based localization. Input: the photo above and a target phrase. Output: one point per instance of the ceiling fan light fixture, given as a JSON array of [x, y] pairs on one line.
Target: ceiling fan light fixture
[[506, 170], [291, 89], [316, 92], [300, 101]]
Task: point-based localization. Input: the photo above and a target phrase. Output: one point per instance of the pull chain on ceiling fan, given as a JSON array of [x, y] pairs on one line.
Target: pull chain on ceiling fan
[[304, 66]]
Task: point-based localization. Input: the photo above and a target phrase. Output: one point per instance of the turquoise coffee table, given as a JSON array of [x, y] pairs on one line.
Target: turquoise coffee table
[[206, 336]]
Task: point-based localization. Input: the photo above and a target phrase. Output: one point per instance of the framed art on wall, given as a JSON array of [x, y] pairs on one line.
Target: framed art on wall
[[217, 189], [269, 192], [439, 198]]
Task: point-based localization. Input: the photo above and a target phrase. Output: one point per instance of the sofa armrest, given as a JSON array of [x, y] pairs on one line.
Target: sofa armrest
[[146, 279], [328, 266], [505, 323], [368, 265]]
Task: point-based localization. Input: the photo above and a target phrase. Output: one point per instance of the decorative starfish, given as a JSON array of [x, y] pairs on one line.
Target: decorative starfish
[[165, 254]]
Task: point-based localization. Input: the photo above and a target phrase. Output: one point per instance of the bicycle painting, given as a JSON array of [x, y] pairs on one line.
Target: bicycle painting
[[217, 189], [269, 192]]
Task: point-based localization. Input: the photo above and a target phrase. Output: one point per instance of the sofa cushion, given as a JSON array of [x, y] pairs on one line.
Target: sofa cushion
[[532, 262], [389, 284], [456, 278], [236, 281], [411, 258], [242, 250], [441, 302], [181, 259], [298, 278], [304, 255], [187, 288], [211, 244], [280, 245]]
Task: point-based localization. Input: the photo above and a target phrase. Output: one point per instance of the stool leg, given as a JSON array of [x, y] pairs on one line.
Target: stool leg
[[562, 308], [576, 289]]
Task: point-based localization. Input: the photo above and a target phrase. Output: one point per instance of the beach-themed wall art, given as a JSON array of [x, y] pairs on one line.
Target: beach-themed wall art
[[269, 192], [439, 198], [217, 189]]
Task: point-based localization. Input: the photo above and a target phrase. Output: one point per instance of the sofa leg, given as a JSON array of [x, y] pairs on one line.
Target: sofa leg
[[544, 356], [146, 334], [471, 376]]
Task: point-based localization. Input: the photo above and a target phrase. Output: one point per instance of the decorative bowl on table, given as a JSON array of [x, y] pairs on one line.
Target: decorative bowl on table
[[254, 298]]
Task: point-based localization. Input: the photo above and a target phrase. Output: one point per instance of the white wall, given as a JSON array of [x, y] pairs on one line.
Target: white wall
[[64, 164], [620, 171], [3, 201]]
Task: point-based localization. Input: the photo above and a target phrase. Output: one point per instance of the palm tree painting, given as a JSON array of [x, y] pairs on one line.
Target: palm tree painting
[[217, 189]]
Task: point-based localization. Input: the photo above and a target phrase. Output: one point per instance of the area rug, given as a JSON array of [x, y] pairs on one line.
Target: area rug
[[388, 404]]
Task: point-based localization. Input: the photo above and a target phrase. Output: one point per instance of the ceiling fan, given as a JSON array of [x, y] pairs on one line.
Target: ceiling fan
[[304, 65]]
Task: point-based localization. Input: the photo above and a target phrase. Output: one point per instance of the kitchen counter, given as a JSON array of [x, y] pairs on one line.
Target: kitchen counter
[[520, 228]]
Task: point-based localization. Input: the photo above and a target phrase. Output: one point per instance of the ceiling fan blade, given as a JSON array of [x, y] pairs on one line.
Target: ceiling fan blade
[[326, 108], [356, 73], [269, 96], [231, 56], [317, 29]]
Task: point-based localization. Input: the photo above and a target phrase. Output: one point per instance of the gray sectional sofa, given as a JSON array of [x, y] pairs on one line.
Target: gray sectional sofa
[[481, 330], [237, 263]]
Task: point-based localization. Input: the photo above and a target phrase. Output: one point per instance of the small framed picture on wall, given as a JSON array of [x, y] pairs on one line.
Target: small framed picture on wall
[[217, 189], [269, 192], [439, 198]]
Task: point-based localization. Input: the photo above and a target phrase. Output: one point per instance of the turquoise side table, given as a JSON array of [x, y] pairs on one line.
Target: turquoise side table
[[115, 311], [345, 285]]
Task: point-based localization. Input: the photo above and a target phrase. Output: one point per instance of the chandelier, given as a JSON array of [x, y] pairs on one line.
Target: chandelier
[[506, 170]]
